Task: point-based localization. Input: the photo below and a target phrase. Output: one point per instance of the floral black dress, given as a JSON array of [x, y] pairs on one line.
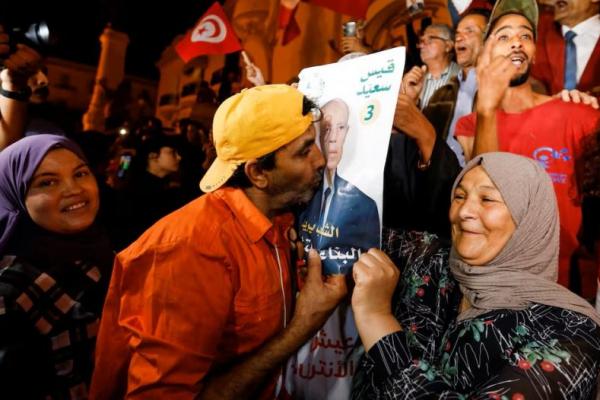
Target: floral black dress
[[541, 352]]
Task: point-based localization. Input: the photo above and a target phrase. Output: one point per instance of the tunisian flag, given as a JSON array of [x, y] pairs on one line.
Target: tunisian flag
[[213, 34], [354, 8]]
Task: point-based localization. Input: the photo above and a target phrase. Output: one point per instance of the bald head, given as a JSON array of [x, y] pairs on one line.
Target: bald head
[[336, 106], [334, 127]]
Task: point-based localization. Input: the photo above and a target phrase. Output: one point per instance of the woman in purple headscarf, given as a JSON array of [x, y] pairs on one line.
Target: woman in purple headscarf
[[54, 269]]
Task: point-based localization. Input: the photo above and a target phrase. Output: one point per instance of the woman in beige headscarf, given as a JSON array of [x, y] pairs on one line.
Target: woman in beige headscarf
[[517, 333]]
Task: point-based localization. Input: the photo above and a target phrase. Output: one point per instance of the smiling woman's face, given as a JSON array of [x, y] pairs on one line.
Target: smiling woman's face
[[481, 221], [63, 194]]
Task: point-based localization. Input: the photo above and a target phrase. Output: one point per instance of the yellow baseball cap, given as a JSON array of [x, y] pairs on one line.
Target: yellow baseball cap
[[252, 124]]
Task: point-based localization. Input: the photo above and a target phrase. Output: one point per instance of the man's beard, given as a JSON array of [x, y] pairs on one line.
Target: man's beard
[[295, 200], [521, 79]]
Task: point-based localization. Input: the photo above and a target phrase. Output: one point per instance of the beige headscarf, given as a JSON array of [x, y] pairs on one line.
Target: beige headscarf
[[526, 269]]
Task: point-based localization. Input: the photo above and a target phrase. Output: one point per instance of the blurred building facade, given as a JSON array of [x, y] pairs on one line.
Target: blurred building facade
[[71, 84]]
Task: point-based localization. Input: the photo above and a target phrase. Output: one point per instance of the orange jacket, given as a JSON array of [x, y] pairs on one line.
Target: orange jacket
[[198, 290]]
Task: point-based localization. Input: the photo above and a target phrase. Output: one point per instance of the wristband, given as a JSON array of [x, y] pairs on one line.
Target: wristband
[[422, 166], [21, 95]]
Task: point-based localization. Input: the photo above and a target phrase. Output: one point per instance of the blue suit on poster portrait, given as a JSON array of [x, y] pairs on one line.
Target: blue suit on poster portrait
[[341, 221], [351, 221]]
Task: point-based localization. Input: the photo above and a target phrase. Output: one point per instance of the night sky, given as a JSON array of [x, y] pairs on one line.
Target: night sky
[[151, 26]]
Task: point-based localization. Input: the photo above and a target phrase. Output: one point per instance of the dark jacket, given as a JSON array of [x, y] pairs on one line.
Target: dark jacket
[[147, 199], [414, 199], [440, 109]]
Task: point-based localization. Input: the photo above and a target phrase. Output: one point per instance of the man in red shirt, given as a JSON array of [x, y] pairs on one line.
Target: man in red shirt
[[511, 117], [200, 306]]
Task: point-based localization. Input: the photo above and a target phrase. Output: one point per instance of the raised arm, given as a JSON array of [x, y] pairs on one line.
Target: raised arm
[[493, 78], [18, 67]]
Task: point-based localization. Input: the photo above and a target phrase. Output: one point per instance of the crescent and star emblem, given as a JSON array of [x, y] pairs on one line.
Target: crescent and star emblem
[[210, 29]]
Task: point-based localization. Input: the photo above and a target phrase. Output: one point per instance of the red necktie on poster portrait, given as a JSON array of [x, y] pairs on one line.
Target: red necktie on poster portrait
[[213, 34], [287, 14], [353, 8], [287, 20]]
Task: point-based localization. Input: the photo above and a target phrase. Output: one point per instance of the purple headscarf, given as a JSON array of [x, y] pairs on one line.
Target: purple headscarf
[[18, 163]]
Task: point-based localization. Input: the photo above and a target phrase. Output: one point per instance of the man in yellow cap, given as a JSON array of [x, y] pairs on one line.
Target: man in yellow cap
[[200, 306]]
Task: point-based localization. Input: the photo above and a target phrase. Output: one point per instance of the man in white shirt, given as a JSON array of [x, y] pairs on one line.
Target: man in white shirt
[[436, 45], [454, 99]]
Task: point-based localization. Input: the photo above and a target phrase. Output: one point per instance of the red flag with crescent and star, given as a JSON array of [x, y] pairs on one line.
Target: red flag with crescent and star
[[213, 34]]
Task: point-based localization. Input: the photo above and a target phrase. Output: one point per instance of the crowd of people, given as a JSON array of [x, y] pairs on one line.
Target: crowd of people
[[146, 264]]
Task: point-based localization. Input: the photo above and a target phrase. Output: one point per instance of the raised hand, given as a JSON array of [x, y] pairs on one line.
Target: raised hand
[[375, 278], [352, 44], [20, 65], [253, 73], [493, 79], [412, 82]]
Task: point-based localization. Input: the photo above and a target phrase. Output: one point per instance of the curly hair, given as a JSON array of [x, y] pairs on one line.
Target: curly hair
[[588, 167]]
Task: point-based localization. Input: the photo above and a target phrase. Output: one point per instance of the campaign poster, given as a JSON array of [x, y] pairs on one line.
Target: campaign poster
[[357, 99]]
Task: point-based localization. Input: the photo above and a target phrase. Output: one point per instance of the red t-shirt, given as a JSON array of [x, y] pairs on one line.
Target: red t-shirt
[[550, 133]]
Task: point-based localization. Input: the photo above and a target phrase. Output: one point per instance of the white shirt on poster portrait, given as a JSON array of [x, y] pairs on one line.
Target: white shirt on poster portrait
[[588, 34]]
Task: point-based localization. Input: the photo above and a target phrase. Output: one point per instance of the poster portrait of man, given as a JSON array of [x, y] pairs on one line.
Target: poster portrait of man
[[344, 219], [357, 100]]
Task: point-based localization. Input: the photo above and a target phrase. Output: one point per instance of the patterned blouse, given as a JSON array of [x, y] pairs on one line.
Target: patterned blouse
[[541, 352], [48, 324]]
